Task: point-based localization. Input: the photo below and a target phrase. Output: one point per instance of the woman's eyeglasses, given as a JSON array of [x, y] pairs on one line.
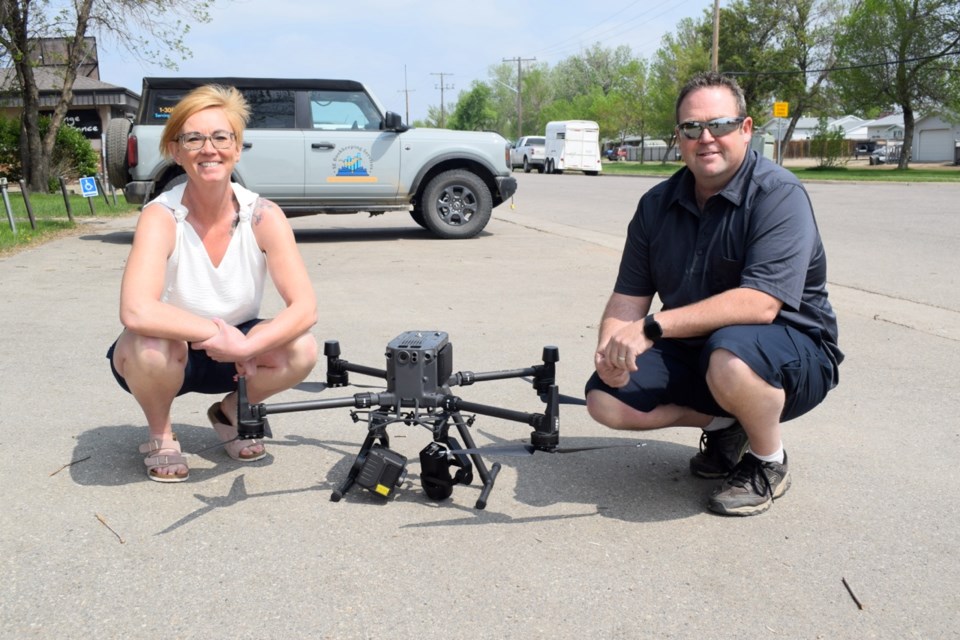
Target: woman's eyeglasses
[[194, 140], [718, 127]]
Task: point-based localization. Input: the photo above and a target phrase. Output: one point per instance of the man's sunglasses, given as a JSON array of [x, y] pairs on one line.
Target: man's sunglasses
[[718, 127]]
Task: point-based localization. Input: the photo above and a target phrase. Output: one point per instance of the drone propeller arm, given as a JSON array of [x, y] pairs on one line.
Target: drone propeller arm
[[358, 400], [454, 403], [466, 378]]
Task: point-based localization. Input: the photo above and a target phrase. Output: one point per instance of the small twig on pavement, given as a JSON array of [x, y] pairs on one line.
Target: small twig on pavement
[[69, 464], [104, 523], [852, 594]]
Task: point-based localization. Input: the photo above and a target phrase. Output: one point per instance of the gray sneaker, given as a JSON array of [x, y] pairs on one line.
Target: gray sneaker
[[720, 451], [751, 488]]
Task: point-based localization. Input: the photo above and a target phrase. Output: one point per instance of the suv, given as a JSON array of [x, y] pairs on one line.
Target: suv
[[527, 152], [326, 146]]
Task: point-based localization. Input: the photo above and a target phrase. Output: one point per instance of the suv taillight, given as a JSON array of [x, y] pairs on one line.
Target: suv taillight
[[132, 155], [506, 155]]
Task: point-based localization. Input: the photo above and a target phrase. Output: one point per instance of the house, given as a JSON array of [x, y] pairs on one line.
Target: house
[[936, 139], [889, 128], [94, 103], [854, 128]]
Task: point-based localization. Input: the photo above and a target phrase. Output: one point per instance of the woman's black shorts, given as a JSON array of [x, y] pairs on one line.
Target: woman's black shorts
[[202, 374]]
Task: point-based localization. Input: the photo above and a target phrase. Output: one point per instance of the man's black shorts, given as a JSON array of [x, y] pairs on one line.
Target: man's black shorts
[[202, 374], [674, 372]]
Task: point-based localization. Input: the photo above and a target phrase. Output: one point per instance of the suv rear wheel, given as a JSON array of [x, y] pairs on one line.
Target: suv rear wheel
[[117, 131], [456, 204]]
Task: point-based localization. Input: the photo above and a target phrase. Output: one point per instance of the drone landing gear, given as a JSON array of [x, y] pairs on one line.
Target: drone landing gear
[[380, 470]]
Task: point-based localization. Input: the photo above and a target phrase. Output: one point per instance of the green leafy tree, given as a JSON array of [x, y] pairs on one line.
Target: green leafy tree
[[780, 50], [597, 67], [22, 22], [901, 53], [680, 56], [474, 110]]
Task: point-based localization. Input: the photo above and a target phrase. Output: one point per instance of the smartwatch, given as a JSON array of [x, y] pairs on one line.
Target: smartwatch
[[652, 328]]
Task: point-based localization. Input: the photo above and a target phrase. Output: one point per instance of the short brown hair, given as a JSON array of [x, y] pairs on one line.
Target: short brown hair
[[209, 96], [712, 79]]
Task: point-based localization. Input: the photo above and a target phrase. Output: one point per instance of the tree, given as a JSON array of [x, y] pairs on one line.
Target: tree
[[780, 50], [474, 110], [596, 67], [904, 53], [680, 56], [22, 22]]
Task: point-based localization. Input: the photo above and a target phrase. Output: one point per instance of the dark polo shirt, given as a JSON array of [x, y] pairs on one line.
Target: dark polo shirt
[[759, 232]]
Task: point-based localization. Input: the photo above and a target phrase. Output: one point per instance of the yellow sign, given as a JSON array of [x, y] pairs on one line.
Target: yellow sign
[[781, 109]]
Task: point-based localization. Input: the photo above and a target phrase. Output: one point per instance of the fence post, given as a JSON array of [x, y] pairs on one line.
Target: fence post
[[66, 198], [6, 203], [26, 201], [102, 190]]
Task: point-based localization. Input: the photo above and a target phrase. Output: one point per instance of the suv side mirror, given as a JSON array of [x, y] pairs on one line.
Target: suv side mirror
[[393, 122]]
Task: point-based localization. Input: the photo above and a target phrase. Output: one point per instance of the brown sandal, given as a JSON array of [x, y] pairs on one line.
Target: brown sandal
[[228, 435], [159, 455]]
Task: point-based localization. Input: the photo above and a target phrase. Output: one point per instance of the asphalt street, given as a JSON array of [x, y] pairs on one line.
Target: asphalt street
[[603, 544]]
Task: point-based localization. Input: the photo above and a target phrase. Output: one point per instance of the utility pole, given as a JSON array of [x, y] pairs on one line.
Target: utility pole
[[716, 35], [519, 62], [442, 87], [407, 92]]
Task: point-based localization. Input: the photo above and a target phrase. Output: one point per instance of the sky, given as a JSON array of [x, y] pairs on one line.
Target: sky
[[400, 48]]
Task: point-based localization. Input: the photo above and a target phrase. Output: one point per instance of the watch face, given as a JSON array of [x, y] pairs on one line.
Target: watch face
[[651, 328]]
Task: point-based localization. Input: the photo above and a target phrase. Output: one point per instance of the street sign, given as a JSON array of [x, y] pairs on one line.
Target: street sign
[[88, 187], [781, 109]]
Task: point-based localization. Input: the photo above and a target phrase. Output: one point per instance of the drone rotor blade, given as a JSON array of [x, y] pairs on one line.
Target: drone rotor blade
[[520, 449], [507, 450], [320, 387], [565, 399]]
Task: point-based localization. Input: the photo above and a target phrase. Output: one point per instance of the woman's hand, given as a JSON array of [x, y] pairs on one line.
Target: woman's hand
[[229, 344]]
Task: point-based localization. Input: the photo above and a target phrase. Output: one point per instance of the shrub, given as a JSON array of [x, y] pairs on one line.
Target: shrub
[[827, 146], [73, 155]]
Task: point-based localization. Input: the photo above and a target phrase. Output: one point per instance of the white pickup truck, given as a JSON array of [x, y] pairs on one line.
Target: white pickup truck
[[527, 152]]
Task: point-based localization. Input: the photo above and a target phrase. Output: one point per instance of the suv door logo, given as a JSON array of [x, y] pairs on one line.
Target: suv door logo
[[352, 164]]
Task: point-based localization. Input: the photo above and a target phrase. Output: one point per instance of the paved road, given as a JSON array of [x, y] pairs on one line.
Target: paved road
[[605, 544]]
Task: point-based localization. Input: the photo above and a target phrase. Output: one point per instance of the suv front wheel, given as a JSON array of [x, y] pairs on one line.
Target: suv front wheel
[[456, 204]]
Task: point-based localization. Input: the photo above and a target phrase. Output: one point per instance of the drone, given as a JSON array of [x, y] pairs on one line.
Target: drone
[[419, 377]]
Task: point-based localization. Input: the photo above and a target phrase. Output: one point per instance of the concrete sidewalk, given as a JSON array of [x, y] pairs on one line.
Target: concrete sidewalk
[[607, 544]]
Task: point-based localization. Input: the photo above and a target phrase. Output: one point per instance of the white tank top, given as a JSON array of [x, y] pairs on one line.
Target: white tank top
[[231, 291]]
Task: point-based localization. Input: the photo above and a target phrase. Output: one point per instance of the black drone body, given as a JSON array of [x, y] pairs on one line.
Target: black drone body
[[419, 377]]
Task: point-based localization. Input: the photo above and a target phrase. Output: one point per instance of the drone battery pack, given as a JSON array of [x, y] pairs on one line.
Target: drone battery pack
[[383, 470], [418, 364]]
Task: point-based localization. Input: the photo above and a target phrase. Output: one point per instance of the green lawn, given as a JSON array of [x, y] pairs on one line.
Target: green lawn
[[50, 216], [860, 172]]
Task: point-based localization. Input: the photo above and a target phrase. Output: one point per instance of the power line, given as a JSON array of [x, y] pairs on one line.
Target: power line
[[844, 68]]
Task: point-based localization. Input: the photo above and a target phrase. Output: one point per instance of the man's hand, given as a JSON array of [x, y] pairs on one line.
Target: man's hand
[[616, 377], [616, 359]]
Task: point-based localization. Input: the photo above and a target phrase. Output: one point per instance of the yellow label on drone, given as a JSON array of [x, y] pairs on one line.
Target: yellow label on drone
[[382, 490]]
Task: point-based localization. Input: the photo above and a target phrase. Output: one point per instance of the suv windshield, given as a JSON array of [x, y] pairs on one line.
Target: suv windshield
[[340, 110], [269, 108]]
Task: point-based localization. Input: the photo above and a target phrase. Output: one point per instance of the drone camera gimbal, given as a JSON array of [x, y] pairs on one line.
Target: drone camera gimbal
[[419, 375]]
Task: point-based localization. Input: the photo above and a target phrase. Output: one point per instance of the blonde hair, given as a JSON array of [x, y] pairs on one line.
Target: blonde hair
[[209, 96]]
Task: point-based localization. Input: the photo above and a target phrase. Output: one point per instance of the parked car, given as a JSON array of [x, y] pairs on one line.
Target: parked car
[[327, 146], [527, 152], [884, 155]]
